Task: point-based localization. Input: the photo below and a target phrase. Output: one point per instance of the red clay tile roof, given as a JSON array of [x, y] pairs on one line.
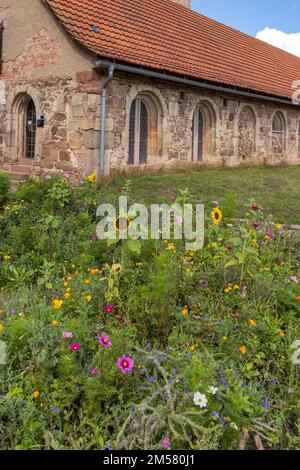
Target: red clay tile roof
[[161, 35]]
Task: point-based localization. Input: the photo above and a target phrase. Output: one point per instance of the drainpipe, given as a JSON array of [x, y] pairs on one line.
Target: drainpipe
[[111, 69]]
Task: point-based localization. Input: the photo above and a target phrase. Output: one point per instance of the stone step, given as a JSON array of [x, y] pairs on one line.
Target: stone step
[[24, 169]]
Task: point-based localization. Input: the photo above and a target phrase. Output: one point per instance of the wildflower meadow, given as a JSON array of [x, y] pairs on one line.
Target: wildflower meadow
[[143, 345]]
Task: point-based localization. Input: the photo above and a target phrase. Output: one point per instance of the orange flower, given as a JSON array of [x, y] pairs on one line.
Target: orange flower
[[1, 327], [252, 323], [185, 312], [66, 284], [67, 295], [243, 350], [36, 394], [89, 298], [297, 298], [282, 334], [58, 304]]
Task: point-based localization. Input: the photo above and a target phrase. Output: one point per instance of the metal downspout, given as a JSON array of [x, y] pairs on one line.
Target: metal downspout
[[111, 69]]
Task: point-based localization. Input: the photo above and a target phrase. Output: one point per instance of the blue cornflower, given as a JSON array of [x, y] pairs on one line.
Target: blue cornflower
[[55, 410]]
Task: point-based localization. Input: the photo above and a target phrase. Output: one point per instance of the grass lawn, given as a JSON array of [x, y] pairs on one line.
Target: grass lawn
[[276, 189]]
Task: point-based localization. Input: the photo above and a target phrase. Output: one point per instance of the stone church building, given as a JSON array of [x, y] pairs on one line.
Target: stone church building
[[89, 84]]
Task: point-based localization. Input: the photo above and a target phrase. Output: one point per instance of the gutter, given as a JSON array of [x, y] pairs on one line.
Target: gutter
[[111, 68], [190, 82]]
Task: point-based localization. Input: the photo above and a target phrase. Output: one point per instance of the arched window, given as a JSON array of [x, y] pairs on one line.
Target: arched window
[[22, 127], [278, 137], [204, 132], [246, 133], [30, 130], [278, 123], [138, 133]]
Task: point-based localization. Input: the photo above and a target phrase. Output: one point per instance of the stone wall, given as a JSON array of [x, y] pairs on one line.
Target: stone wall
[[40, 62], [241, 128]]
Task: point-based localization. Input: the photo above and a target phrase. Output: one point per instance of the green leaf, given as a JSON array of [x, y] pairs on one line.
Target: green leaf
[[135, 246]]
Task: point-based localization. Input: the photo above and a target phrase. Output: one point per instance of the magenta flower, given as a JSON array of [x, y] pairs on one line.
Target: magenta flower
[[75, 346], [255, 225], [203, 283], [67, 335], [294, 279], [255, 208], [125, 364], [229, 247], [108, 308], [269, 233], [174, 197], [166, 443], [104, 340], [95, 372]]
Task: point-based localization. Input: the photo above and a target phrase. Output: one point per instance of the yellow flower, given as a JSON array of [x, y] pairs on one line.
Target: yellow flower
[[58, 304], [185, 312], [252, 323], [243, 350], [1, 327], [87, 281], [89, 298], [92, 178], [193, 348], [7, 258], [67, 295], [116, 268], [225, 338], [282, 334], [69, 278], [1, 311], [236, 287], [66, 284], [216, 216], [54, 323], [278, 226], [36, 394]]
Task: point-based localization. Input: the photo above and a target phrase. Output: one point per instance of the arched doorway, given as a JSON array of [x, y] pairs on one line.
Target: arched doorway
[[30, 131]]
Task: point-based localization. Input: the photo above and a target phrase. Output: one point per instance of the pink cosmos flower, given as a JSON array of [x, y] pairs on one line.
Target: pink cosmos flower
[[125, 364], [294, 279], [174, 197], [67, 335], [95, 372], [75, 346], [104, 340], [166, 443], [108, 308]]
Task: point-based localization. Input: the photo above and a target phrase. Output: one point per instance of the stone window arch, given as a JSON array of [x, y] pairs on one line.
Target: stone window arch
[[246, 133], [278, 134], [145, 129], [204, 131], [23, 127]]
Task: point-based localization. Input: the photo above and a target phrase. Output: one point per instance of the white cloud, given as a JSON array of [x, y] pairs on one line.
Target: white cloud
[[288, 42]]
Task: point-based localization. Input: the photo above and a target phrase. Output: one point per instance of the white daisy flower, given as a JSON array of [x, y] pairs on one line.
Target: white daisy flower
[[200, 400], [213, 390]]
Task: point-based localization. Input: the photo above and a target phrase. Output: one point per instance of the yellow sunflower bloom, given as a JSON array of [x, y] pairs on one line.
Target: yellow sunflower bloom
[[216, 216]]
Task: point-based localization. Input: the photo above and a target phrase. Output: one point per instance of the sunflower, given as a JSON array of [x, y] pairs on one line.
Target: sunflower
[[216, 216], [122, 224]]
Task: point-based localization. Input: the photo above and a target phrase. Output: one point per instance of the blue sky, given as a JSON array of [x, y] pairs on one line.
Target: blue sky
[[252, 16]]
